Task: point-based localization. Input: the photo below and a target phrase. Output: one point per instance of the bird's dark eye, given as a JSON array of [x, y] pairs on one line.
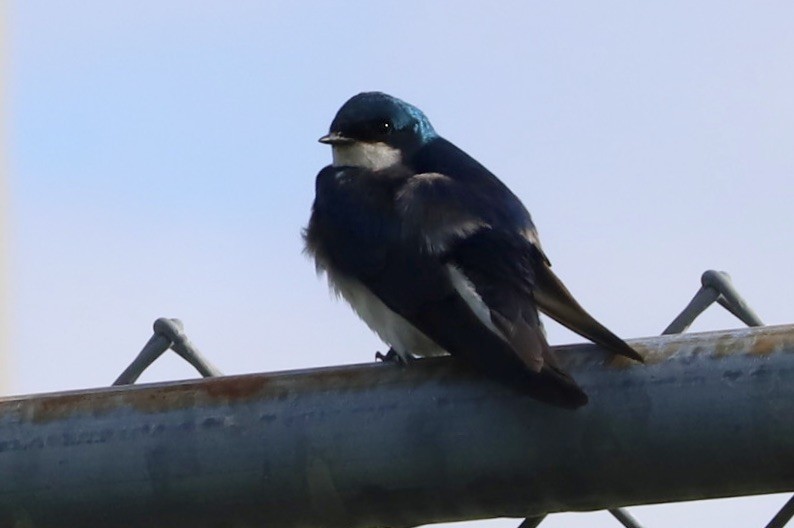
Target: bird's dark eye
[[375, 129], [385, 127]]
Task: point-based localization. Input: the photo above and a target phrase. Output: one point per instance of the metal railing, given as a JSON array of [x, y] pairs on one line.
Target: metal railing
[[384, 445], [708, 416]]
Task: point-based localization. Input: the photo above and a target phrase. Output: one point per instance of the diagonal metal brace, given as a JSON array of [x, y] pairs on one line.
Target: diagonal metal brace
[[783, 516], [168, 333], [625, 518], [716, 286], [621, 514], [532, 522]]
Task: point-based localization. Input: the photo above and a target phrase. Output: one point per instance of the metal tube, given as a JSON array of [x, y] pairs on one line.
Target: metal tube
[[532, 522], [704, 297], [783, 516], [709, 415], [625, 518]]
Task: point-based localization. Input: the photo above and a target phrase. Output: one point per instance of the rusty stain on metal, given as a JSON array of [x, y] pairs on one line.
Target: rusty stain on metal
[[383, 445], [758, 341], [153, 398], [765, 345]]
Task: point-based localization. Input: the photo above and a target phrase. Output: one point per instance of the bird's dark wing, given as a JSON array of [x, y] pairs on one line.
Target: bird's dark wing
[[482, 269], [502, 259], [494, 203], [498, 263], [500, 266]]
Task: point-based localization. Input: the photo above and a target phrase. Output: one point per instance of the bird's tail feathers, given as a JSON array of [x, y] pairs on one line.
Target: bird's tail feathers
[[556, 301]]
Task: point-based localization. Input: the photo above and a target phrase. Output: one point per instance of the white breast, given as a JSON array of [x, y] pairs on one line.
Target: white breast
[[392, 328]]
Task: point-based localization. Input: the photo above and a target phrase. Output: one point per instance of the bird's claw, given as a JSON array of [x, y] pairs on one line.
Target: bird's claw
[[390, 357]]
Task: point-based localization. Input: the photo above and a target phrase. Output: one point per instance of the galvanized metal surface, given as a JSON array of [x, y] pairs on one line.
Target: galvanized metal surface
[[710, 415]]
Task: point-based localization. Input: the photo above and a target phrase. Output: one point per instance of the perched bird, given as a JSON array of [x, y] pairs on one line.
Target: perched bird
[[436, 254]]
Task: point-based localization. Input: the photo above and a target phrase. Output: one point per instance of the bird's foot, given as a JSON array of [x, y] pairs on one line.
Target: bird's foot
[[390, 357]]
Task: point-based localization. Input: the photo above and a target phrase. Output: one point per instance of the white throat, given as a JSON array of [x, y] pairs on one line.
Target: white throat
[[371, 156]]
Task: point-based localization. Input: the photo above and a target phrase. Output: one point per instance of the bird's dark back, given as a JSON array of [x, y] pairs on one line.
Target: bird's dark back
[[490, 197]]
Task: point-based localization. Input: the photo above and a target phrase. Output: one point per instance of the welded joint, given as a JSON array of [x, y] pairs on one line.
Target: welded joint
[[168, 333]]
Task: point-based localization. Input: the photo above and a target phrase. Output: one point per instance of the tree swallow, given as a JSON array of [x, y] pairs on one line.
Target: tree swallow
[[436, 254]]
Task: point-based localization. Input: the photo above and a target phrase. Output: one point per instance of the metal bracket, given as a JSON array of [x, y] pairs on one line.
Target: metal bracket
[[716, 286], [168, 333]]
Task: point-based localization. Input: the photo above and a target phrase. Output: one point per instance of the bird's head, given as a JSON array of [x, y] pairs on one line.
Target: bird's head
[[374, 130]]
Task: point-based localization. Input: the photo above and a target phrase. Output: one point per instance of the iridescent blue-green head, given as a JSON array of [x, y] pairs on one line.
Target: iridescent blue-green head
[[375, 130]]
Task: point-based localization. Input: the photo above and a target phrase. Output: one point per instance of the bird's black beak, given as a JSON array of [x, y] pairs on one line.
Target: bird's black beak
[[335, 138]]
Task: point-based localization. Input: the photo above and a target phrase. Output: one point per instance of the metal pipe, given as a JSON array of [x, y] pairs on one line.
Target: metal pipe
[[625, 518], [709, 415], [782, 517]]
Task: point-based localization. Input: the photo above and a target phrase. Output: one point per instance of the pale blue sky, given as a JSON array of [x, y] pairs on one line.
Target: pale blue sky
[[163, 157]]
